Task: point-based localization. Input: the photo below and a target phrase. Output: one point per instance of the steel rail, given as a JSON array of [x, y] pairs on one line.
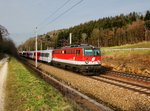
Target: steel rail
[[131, 76], [123, 84]]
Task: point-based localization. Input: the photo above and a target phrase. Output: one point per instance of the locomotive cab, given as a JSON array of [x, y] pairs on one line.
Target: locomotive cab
[[91, 52], [92, 58], [92, 55]]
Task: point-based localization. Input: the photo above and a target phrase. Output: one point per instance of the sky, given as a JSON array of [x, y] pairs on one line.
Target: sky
[[21, 17]]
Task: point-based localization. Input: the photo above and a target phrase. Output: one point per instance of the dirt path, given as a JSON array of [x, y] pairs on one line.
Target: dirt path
[[3, 75]]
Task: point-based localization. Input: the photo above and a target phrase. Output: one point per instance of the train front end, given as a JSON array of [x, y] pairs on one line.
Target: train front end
[[92, 58]]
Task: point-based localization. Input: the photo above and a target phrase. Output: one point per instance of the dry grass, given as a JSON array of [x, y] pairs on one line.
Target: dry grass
[[137, 62], [134, 61]]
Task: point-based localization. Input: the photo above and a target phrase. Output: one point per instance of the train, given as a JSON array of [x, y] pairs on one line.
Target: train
[[83, 58]]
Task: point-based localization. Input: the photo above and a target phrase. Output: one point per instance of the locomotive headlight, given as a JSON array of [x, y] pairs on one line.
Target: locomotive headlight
[[93, 59], [98, 61], [86, 61]]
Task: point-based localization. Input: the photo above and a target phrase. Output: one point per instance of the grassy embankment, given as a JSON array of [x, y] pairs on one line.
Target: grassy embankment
[[138, 45], [25, 91], [134, 61]]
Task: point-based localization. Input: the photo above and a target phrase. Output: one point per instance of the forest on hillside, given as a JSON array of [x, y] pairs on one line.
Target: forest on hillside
[[108, 31]]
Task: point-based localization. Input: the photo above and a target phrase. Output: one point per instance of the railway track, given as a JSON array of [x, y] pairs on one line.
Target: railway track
[[136, 83], [121, 82], [130, 76], [80, 100]]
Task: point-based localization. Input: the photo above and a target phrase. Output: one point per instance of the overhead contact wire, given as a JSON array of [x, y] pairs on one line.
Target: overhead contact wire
[[62, 13], [54, 12]]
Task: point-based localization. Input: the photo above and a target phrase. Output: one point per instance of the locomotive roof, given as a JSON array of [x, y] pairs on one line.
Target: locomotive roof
[[78, 46]]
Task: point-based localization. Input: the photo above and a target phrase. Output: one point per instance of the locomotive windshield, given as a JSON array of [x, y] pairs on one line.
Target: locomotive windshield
[[92, 52]]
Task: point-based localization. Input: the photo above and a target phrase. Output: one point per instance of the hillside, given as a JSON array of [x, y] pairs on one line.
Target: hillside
[[44, 41], [108, 31], [131, 61]]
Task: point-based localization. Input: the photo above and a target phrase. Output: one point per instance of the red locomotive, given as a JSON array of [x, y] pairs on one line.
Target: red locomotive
[[80, 58]]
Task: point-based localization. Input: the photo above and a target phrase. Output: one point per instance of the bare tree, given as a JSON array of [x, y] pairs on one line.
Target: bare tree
[[6, 45], [3, 31]]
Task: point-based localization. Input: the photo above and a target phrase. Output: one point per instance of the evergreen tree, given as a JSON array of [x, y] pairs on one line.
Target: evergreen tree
[[147, 24], [147, 16]]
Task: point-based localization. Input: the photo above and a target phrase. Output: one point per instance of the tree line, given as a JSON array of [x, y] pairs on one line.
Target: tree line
[[108, 31], [7, 46]]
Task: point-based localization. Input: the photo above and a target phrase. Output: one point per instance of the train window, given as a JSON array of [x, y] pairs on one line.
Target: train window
[[92, 52], [55, 52], [47, 54], [67, 51], [96, 52], [38, 54], [73, 51], [88, 52], [78, 52]]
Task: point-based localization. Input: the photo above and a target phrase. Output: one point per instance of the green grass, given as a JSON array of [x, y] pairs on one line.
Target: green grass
[[145, 44], [27, 92], [123, 52], [137, 52], [137, 45]]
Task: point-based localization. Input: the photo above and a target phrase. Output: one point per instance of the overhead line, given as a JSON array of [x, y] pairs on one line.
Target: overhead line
[[62, 13], [54, 12]]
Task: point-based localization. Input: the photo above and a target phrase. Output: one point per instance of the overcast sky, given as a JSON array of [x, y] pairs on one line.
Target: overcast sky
[[20, 17]]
